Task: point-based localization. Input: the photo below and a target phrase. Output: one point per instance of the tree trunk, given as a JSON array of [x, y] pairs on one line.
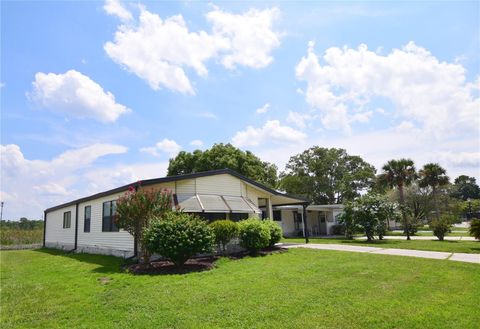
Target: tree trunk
[[404, 215], [435, 203]]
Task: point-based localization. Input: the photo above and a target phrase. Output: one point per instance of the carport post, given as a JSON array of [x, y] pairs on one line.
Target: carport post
[[304, 217]]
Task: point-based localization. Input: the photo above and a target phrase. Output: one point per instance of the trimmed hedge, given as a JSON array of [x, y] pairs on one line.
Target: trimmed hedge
[[178, 236], [276, 232], [254, 235], [224, 231]]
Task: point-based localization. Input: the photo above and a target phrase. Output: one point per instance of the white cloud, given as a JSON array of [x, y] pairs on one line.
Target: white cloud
[[299, 119], [461, 159], [30, 186], [75, 95], [250, 36], [263, 109], [168, 146], [272, 131], [115, 8], [421, 88], [207, 115], [196, 142], [2, 84], [160, 51]]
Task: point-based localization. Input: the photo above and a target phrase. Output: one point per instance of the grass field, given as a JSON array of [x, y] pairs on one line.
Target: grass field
[[17, 237], [471, 247], [430, 233], [297, 289]]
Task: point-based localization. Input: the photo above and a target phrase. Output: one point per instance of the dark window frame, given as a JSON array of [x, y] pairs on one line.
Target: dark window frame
[[277, 215], [238, 216], [108, 224], [87, 220], [297, 219], [67, 219]]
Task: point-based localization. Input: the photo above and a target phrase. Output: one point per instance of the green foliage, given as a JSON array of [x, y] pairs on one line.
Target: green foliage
[[222, 156], [136, 207], [254, 235], [327, 175], [400, 174], [178, 236], [434, 176], [338, 229], [224, 231], [347, 220], [465, 188], [475, 229], [276, 232], [442, 226], [19, 237], [371, 212], [22, 224]]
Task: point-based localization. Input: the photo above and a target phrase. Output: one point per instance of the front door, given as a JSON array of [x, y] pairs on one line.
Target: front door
[[322, 223]]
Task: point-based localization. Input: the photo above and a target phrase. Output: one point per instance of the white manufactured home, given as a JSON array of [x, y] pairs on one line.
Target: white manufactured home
[[87, 225], [319, 219]]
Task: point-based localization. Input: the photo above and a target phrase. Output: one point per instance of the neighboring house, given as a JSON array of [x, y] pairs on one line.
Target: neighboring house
[[87, 225], [320, 219]]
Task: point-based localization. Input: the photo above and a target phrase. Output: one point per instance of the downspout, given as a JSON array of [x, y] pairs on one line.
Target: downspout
[[76, 227], [44, 227], [305, 227]]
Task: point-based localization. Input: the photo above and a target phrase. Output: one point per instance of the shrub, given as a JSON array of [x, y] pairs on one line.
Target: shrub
[[338, 229], [441, 226], [224, 231], [475, 228], [178, 236], [275, 231], [254, 235]]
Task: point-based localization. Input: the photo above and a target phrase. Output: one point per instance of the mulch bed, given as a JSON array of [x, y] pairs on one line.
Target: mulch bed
[[197, 264]]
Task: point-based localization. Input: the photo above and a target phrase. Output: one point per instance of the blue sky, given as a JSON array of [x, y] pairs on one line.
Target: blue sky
[[98, 94]]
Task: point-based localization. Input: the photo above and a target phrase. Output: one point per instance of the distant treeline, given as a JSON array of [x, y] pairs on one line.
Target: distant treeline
[[23, 224]]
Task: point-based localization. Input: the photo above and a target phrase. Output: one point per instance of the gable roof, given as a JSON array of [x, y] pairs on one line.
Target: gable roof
[[147, 182]]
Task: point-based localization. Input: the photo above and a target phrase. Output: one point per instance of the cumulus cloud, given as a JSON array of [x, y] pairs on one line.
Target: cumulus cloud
[[421, 88], [299, 119], [461, 159], [30, 186], [115, 8], [263, 109], [249, 36], [196, 142], [167, 146], [160, 51], [75, 95], [272, 131]]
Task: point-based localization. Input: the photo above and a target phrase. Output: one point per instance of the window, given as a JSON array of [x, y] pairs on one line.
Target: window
[[236, 217], [297, 219], [277, 215], [86, 218], [211, 216], [67, 219], [108, 214]]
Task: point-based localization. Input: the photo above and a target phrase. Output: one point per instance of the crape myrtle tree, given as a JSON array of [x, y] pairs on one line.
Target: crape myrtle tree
[[434, 176], [222, 156], [327, 175], [370, 213], [400, 174], [135, 209]]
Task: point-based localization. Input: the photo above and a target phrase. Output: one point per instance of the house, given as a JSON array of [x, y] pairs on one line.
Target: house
[[320, 219], [87, 225]]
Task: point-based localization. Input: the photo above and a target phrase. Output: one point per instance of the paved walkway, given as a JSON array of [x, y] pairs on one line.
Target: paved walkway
[[459, 257], [447, 238]]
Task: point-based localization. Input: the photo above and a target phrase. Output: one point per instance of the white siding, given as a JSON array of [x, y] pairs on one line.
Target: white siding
[[288, 225], [121, 240], [186, 186], [219, 184], [55, 233]]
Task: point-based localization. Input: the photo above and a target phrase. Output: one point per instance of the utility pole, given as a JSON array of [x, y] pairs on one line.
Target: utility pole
[[1, 210]]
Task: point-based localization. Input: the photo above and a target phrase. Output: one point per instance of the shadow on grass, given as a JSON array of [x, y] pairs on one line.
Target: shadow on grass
[[106, 264]]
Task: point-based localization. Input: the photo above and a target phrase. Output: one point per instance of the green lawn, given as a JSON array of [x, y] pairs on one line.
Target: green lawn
[[472, 247], [298, 289], [430, 233]]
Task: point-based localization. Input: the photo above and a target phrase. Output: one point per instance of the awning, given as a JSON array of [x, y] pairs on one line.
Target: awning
[[216, 203]]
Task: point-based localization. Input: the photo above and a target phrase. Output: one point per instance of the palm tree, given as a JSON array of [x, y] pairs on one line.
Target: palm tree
[[399, 174], [433, 175]]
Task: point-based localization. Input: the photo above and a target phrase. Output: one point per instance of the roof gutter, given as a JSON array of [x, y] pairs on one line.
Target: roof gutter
[[76, 227]]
